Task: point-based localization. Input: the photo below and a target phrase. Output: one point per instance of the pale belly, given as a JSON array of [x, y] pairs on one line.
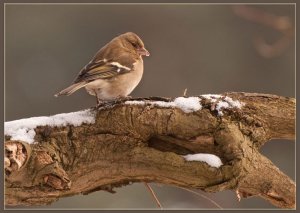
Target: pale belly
[[117, 87]]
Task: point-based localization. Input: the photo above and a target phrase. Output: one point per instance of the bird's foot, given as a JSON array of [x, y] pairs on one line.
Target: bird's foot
[[107, 104], [122, 99], [111, 103], [126, 98], [104, 104]]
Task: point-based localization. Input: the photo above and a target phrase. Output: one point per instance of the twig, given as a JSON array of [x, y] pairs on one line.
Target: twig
[[185, 92], [153, 195]]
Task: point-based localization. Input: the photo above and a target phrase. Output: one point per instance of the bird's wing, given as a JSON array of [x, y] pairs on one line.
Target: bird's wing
[[105, 68]]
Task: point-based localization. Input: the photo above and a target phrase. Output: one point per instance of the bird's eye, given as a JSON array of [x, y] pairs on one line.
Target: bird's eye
[[135, 44]]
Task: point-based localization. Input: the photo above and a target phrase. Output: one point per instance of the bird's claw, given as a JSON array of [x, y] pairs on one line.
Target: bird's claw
[[111, 103]]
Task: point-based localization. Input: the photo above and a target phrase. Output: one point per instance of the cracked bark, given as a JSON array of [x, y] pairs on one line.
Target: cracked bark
[[141, 143]]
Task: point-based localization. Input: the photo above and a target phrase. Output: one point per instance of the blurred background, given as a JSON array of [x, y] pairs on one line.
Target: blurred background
[[204, 48]]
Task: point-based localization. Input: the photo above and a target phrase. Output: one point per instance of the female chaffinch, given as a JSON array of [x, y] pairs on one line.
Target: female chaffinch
[[114, 71]]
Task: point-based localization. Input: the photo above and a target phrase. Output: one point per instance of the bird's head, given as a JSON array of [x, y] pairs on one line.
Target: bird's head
[[134, 43]]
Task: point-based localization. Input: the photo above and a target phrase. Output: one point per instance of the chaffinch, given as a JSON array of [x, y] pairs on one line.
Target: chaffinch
[[115, 70]]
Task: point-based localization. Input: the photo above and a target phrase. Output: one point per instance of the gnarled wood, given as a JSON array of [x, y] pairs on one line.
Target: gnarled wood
[[145, 143]]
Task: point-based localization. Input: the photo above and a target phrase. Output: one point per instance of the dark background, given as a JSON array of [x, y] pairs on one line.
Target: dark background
[[205, 48]]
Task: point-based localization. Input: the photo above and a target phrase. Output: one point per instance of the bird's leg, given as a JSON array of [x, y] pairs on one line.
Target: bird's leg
[[99, 101], [110, 103], [128, 97], [122, 98]]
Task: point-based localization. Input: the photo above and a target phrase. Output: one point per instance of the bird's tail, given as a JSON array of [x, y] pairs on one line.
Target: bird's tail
[[69, 90]]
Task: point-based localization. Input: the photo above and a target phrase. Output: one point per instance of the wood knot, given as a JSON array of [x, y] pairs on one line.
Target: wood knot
[[16, 156]]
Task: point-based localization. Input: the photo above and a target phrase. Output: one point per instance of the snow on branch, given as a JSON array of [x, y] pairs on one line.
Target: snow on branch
[[209, 142], [210, 159], [23, 129]]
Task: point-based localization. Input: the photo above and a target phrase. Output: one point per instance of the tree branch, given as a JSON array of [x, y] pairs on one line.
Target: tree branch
[[145, 141]]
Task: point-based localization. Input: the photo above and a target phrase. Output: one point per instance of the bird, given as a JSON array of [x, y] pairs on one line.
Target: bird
[[114, 71]]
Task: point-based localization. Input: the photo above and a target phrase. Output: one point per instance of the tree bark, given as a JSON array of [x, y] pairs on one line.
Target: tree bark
[[145, 143]]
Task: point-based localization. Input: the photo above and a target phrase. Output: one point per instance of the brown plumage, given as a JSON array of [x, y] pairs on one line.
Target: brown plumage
[[114, 71]]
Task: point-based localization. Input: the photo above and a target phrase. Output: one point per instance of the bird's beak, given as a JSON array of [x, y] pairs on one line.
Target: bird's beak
[[143, 51]]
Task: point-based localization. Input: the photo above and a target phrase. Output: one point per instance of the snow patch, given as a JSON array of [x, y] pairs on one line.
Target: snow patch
[[223, 102], [210, 159], [221, 105], [23, 129], [228, 103], [190, 104], [187, 105], [135, 102], [213, 98], [233, 103]]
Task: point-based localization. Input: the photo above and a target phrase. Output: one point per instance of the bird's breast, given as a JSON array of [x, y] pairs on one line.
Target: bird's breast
[[118, 86], [127, 82]]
